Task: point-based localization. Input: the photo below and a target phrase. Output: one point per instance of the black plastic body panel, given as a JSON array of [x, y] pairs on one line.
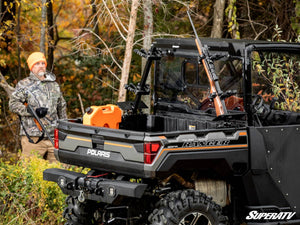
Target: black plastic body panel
[[222, 162], [274, 159]]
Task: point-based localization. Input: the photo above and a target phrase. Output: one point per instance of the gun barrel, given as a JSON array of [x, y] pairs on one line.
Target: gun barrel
[[210, 71]]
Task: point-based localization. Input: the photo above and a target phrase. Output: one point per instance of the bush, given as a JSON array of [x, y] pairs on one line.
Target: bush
[[25, 198]]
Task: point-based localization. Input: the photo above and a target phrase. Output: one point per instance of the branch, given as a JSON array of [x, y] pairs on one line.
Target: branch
[[266, 27], [182, 3], [249, 16], [114, 6], [3, 83], [58, 11], [81, 104], [107, 84], [106, 67], [113, 58], [121, 34]]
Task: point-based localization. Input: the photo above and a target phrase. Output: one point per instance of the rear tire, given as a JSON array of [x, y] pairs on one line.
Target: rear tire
[[78, 213], [187, 207]]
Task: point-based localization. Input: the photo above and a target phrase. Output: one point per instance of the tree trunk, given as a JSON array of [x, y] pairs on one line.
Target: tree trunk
[[218, 19], [18, 42], [128, 50], [148, 31], [43, 27], [95, 25], [94, 16], [3, 83], [51, 42]]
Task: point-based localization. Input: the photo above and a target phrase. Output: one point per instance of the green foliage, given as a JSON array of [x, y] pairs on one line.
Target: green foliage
[[25, 197], [278, 34], [86, 77], [233, 25], [280, 71], [296, 19]]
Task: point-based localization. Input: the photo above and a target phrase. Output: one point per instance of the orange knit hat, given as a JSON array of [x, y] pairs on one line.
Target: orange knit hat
[[36, 57]]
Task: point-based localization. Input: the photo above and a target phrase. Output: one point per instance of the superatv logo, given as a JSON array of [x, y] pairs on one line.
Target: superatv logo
[[255, 215], [98, 153]]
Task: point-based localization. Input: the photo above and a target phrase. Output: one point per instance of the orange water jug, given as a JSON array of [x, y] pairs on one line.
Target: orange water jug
[[103, 116]]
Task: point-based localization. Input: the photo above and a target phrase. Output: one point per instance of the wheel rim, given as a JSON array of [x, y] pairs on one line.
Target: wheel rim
[[195, 218]]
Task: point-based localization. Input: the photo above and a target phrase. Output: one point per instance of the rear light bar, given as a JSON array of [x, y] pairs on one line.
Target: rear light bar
[[56, 139], [150, 151]]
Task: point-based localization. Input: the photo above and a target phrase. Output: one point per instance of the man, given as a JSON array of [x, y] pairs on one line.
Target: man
[[42, 92]]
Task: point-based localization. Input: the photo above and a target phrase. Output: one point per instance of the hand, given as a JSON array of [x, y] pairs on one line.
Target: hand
[[41, 112]]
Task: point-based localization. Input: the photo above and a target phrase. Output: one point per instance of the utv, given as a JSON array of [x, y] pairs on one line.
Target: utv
[[185, 163]]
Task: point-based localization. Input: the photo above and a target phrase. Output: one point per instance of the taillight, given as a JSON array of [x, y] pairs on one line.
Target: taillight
[[56, 139], [150, 151]]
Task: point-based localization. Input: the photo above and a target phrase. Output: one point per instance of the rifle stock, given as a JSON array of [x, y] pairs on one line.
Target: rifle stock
[[215, 90]]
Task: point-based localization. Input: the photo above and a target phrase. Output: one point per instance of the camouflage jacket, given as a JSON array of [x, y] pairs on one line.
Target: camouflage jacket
[[38, 93]]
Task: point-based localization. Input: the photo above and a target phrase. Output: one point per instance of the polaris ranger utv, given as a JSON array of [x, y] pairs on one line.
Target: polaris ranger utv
[[221, 145]]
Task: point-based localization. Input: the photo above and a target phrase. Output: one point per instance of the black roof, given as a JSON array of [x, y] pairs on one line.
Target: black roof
[[234, 47]]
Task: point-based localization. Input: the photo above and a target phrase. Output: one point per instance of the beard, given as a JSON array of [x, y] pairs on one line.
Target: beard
[[41, 73]]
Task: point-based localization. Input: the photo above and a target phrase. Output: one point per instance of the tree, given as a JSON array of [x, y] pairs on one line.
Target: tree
[[43, 27], [128, 50], [8, 88], [7, 25], [51, 41], [217, 28], [18, 39], [148, 31]]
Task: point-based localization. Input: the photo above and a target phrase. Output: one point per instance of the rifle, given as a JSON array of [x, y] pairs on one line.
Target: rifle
[[215, 90], [39, 123]]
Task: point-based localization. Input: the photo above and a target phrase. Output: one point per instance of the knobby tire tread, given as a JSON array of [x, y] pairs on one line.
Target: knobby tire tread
[[175, 205]]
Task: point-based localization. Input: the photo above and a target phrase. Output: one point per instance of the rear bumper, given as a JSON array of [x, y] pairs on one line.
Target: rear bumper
[[93, 188]]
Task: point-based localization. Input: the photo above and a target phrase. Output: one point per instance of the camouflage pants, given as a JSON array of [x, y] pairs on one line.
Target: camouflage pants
[[44, 148]]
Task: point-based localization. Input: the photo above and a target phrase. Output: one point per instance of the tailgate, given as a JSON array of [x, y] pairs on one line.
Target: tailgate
[[100, 148]]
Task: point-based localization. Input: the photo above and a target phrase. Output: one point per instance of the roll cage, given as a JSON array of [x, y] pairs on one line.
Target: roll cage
[[229, 51]]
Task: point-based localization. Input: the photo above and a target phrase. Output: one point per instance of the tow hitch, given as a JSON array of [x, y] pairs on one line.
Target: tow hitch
[[93, 188]]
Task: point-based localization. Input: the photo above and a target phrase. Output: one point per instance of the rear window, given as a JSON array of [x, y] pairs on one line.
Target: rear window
[[184, 80], [276, 75]]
